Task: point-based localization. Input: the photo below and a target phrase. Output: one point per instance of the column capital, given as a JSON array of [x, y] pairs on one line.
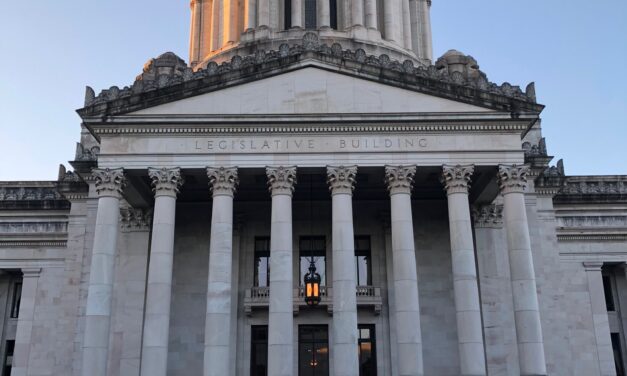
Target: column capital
[[593, 265], [132, 219], [109, 182], [400, 179], [512, 178], [281, 180], [31, 272], [456, 179], [165, 181], [223, 181], [488, 216], [341, 179]]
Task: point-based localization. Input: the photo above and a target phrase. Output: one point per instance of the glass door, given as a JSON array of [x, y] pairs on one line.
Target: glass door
[[313, 350]]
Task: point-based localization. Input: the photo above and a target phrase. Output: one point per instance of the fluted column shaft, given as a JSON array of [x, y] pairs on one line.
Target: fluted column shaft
[[230, 22], [250, 14], [166, 184], [406, 18], [263, 14], [195, 32], [357, 13], [23, 335], [216, 11], [512, 181], [341, 183], [600, 319], [425, 21], [223, 182], [456, 180], [392, 21], [297, 13], [109, 185], [371, 14], [324, 13], [281, 181], [407, 307]]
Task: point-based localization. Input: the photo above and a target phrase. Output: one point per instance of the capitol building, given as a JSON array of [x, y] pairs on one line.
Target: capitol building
[[313, 193]]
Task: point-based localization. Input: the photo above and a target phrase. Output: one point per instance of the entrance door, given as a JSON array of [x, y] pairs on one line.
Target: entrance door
[[313, 350]]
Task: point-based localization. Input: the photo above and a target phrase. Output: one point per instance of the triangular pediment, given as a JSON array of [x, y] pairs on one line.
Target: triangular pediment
[[311, 90]]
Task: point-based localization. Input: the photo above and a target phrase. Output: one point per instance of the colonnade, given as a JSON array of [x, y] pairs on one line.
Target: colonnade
[[217, 24], [223, 182]]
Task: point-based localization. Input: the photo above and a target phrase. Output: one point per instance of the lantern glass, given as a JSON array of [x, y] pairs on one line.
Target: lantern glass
[[312, 286]]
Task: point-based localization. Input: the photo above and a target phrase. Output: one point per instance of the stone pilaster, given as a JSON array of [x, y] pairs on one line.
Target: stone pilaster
[[341, 184], [600, 319], [399, 180], [166, 184], [109, 186], [223, 183], [281, 181], [512, 182], [23, 335], [456, 180]]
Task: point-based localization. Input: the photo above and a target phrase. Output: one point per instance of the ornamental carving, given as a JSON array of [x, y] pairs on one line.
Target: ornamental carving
[[400, 179], [132, 219], [281, 180], [456, 179], [341, 179], [169, 70], [165, 180], [29, 194], [223, 180], [488, 216], [513, 178], [109, 182]]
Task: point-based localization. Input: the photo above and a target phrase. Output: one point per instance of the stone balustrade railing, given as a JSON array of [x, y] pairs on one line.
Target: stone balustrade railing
[[259, 298]]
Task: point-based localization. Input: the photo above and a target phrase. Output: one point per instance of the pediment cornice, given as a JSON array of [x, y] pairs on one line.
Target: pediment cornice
[[156, 88]]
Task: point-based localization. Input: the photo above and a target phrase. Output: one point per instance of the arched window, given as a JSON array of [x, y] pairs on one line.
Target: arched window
[[311, 19]]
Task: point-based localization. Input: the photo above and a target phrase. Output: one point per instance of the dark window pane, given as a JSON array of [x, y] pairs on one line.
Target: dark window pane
[[367, 351], [313, 246], [363, 261], [262, 262], [259, 351], [607, 289], [313, 350], [333, 9], [618, 354], [287, 14], [17, 298], [8, 357], [310, 14]]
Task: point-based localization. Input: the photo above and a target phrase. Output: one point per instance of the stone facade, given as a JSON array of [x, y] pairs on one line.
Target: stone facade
[[441, 229]]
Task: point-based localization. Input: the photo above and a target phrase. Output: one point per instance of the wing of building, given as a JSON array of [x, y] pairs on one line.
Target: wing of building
[[313, 141]]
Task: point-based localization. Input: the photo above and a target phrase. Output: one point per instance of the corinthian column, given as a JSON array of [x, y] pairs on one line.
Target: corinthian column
[[281, 181], [166, 184], [109, 186], [456, 180], [223, 182], [512, 182], [407, 307], [341, 183]]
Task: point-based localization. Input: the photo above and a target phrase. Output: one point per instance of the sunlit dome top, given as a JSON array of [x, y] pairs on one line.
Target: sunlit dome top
[[221, 29]]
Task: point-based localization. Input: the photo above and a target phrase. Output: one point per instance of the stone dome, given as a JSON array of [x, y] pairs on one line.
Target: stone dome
[[223, 28]]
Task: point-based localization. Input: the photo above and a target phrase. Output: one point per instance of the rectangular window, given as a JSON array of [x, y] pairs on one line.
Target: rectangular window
[[259, 350], [333, 12], [311, 21], [8, 357], [363, 261], [313, 350], [313, 246], [16, 300], [262, 262], [618, 354], [367, 350], [609, 297], [287, 14]]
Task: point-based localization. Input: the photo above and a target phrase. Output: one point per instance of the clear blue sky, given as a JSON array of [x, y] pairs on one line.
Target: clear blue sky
[[575, 51]]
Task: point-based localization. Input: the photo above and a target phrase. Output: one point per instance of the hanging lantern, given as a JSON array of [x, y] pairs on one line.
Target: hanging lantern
[[312, 286]]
